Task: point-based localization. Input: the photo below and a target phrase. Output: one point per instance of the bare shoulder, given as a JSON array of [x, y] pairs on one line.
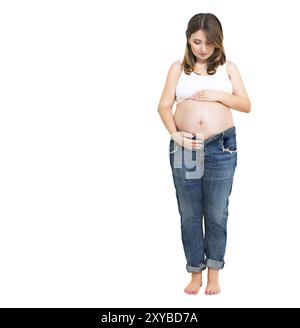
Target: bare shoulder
[[231, 67], [174, 72], [233, 71], [169, 92], [176, 67]]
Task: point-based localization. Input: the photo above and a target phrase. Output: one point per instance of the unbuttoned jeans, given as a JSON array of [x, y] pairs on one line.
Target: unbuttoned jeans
[[203, 182]]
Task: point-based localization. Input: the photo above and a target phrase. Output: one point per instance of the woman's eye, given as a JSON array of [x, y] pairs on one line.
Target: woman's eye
[[208, 43]]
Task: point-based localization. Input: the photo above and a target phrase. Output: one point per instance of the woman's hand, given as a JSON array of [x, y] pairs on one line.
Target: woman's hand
[[184, 139], [206, 95]]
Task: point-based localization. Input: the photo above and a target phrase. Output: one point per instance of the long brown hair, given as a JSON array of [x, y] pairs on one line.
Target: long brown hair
[[212, 27]]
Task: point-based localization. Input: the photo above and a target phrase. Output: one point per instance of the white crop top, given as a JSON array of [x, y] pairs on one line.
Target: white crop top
[[188, 85]]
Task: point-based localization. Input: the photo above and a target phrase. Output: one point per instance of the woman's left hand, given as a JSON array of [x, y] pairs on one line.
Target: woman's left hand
[[206, 95]]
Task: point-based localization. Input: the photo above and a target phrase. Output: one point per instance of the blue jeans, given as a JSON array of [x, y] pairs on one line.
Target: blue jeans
[[203, 181]]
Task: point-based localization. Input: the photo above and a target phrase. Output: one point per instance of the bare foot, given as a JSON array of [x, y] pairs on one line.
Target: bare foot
[[213, 286], [193, 287]]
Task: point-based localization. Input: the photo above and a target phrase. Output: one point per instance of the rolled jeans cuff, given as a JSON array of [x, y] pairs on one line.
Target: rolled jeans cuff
[[199, 268], [213, 264]]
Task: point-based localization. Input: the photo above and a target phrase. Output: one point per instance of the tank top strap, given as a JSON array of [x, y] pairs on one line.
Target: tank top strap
[[223, 68]]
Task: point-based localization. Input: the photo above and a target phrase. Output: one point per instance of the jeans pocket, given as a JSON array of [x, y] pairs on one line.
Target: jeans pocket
[[228, 143]]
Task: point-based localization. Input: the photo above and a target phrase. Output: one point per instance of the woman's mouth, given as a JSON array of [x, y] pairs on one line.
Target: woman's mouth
[[203, 54]]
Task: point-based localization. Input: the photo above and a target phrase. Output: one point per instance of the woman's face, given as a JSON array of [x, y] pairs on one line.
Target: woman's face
[[201, 48]]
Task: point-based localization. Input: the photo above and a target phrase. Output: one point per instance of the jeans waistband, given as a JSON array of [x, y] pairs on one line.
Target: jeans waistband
[[229, 131]]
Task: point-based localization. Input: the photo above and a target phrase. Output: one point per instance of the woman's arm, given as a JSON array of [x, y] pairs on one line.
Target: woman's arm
[[167, 98], [165, 105], [239, 99], [235, 102]]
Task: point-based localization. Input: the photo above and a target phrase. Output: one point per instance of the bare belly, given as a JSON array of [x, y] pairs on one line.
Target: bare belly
[[207, 117]]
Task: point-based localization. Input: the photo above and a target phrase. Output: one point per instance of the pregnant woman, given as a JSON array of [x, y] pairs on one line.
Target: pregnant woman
[[206, 87]]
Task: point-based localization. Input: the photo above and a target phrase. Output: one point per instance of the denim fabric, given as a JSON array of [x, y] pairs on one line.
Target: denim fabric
[[203, 181]]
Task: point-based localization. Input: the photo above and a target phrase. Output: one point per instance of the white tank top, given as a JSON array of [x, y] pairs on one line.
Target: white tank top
[[188, 85]]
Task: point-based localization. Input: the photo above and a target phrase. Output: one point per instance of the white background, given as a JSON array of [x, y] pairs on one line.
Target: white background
[[88, 210]]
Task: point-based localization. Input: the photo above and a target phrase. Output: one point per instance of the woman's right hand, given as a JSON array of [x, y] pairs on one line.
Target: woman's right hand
[[184, 139]]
